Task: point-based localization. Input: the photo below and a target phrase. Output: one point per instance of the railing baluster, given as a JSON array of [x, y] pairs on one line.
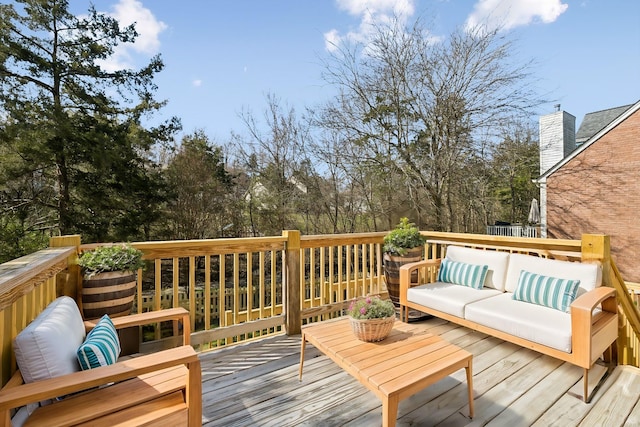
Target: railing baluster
[[261, 285], [236, 289], [250, 291], [222, 291], [207, 292]]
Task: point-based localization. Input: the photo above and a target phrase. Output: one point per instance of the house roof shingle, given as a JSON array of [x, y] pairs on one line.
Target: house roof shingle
[[596, 121]]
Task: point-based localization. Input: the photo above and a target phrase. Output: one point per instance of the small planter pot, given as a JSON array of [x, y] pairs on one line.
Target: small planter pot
[[109, 293], [372, 330]]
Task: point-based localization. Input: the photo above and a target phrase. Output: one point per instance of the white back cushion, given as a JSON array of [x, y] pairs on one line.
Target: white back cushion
[[46, 348], [590, 275], [496, 261]]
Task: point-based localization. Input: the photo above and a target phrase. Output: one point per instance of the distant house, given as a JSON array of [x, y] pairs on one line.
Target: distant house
[[590, 180]]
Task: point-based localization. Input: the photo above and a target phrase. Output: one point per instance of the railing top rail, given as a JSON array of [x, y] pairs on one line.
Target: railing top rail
[[565, 245], [323, 240], [19, 276], [182, 248]]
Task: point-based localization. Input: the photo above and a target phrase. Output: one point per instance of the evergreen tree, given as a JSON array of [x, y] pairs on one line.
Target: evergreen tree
[[77, 125]]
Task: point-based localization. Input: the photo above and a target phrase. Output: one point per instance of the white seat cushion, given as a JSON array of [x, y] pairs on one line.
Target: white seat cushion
[[496, 261], [590, 275], [448, 297], [46, 348], [532, 322]]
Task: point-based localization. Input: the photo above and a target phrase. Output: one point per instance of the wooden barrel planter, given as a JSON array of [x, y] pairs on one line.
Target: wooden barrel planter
[[109, 293], [392, 264]]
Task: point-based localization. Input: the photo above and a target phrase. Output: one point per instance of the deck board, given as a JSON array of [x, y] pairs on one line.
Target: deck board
[[256, 384]]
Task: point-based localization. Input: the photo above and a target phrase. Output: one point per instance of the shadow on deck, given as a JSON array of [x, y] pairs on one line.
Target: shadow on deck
[[256, 384]]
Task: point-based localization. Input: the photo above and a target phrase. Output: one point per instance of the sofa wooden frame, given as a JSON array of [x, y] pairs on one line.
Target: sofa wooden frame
[[163, 387], [591, 334]]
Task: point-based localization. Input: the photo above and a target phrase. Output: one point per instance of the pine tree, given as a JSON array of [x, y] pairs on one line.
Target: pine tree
[[76, 125]]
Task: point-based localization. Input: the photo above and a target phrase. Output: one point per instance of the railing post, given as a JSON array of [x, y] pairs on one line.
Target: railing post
[[597, 247], [291, 283], [68, 283]]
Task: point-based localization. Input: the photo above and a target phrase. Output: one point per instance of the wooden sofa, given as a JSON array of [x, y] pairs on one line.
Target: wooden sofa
[[161, 388], [580, 336]]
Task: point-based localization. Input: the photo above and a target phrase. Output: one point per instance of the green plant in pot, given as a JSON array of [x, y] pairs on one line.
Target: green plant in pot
[[109, 280], [401, 246], [371, 318]]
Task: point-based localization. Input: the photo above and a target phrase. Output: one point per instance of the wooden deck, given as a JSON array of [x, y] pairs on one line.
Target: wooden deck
[[256, 384]]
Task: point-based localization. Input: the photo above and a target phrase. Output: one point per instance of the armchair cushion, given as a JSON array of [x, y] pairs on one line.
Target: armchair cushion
[[46, 348], [101, 347]]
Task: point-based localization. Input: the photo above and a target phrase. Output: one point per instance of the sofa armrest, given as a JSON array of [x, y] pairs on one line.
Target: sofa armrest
[[19, 395], [592, 334], [408, 270], [587, 302], [140, 319]]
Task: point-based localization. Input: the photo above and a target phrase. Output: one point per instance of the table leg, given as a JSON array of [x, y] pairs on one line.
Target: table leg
[[469, 370], [389, 411], [302, 345]]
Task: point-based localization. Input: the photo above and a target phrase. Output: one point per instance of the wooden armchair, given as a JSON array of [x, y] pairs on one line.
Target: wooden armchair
[[162, 388]]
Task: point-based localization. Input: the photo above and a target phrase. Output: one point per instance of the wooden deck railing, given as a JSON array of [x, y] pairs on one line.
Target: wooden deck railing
[[239, 289], [27, 285], [293, 280]]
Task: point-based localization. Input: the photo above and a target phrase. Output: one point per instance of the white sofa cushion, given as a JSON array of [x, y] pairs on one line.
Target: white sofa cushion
[[46, 348], [532, 322], [496, 261], [590, 275], [448, 297], [462, 273]]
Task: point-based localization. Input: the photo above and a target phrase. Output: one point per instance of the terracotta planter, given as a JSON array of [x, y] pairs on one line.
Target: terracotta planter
[[109, 293], [392, 264]]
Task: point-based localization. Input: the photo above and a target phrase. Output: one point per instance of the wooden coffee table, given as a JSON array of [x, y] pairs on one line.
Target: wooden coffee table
[[406, 362]]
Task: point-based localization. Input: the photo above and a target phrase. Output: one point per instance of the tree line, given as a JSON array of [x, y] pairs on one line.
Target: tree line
[[436, 130]]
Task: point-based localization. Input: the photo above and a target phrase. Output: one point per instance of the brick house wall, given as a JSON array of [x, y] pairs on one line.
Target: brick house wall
[[598, 191]]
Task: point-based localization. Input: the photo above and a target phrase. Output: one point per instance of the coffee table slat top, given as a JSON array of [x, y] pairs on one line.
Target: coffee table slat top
[[404, 363], [405, 357]]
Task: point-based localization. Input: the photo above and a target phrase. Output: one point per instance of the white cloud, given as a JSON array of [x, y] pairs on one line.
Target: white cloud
[[403, 8], [507, 14], [331, 40], [147, 43], [197, 83], [371, 13]]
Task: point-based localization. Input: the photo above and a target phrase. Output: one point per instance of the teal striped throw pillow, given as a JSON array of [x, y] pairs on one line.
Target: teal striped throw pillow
[[460, 273], [547, 291], [101, 347]]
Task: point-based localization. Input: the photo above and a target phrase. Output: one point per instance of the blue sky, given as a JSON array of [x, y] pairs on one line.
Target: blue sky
[[224, 56]]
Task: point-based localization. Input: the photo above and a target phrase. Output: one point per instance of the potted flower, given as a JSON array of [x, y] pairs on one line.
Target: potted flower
[[371, 318], [401, 246], [109, 280]]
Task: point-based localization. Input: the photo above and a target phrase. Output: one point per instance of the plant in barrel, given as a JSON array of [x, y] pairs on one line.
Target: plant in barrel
[[401, 246], [109, 280]]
